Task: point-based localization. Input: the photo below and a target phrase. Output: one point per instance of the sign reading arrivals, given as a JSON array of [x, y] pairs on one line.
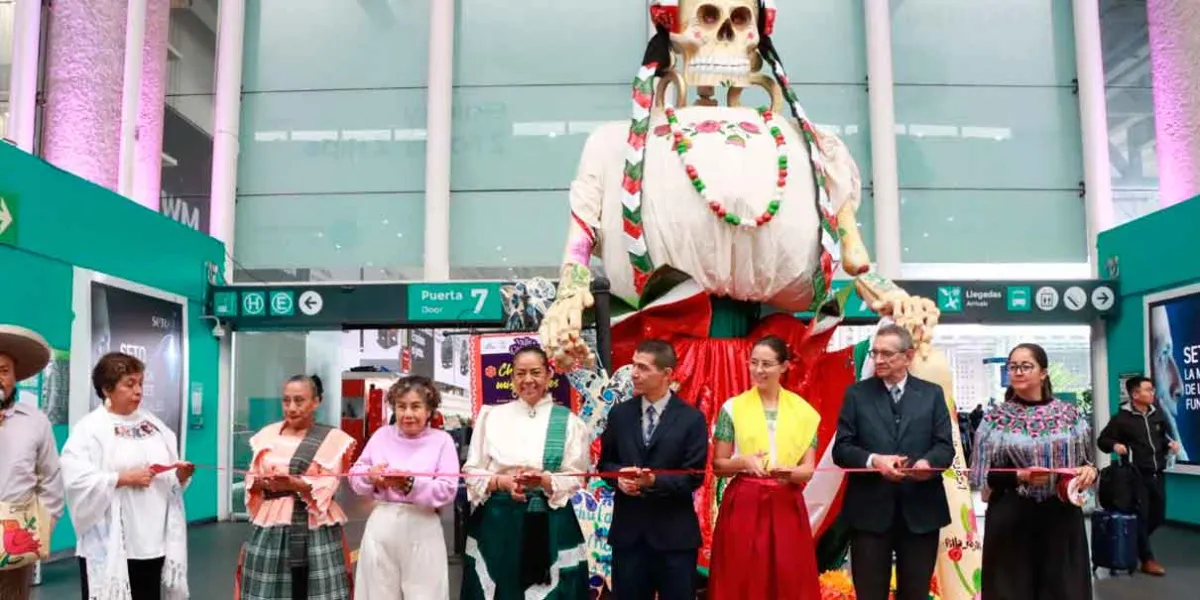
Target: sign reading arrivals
[[1004, 302]]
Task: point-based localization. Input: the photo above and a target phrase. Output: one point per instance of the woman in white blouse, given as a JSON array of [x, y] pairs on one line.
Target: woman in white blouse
[[124, 484], [523, 540]]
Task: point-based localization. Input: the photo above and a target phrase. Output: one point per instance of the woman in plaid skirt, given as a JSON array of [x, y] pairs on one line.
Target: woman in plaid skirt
[[298, 547]]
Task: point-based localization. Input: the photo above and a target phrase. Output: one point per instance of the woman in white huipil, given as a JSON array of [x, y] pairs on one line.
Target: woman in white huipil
[[124, 484]]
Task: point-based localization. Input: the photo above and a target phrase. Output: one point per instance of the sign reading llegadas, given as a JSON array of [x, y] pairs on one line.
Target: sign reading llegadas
[[1003, 302]]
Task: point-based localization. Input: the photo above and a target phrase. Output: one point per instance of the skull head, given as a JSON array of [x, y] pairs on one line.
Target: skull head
[[719, 41]]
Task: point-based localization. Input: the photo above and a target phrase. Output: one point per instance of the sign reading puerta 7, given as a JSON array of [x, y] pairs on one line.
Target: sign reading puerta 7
[[1004, 302], [360, 305]]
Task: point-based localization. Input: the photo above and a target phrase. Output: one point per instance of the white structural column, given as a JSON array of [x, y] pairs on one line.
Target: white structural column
[[131, 93], [226, 125], [1093, 114], [222, 208], [884, 169], [152, 108], [22, 95], [438, 140], [1175, 70]]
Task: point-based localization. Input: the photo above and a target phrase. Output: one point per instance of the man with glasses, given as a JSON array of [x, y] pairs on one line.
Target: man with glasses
[[899, 428]]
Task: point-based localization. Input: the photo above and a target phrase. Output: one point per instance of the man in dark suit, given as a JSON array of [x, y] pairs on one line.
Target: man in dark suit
[[890, 422], [655, 534]]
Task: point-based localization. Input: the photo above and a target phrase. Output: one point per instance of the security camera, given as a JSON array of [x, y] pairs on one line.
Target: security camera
[[218, 330]]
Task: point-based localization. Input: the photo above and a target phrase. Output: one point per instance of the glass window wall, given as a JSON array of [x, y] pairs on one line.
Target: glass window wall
[[988, 132], [1125, 36], [331, 172]]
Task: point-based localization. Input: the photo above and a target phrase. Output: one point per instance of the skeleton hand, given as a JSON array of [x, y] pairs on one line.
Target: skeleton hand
[[560, 330], [916, 314]]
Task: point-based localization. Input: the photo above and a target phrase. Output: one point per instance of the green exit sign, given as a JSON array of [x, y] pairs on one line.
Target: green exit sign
[[444, 302], [8, 220], [225, 304]]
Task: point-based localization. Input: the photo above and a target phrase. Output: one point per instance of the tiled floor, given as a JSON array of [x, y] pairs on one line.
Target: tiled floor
[[214, 550]]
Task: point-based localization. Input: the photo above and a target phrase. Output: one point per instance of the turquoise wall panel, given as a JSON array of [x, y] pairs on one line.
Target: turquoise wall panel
[[988, 137], [46, 284], [1154, 254], [984, 42], [973, 226], [318, 44], [65, 222]]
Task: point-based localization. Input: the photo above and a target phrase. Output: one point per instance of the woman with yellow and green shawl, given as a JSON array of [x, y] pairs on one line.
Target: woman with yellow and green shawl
[[766, 440]]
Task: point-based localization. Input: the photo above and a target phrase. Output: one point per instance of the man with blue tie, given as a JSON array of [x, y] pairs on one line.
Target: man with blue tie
[[891, 422], [655, 534]]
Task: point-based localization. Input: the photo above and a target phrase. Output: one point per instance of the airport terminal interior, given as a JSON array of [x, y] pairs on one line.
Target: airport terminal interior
[[236, 192]]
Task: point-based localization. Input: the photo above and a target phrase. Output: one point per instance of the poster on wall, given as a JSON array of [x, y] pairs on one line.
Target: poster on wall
[[493, 375], [150, 329], [452, 359], [1174, 347], [420, 350]]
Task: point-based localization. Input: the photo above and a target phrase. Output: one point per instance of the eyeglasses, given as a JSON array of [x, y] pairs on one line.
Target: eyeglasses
[[1021, 367], [879, 354], [763, 364]]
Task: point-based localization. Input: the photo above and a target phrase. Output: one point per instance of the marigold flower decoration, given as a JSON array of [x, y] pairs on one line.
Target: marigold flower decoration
[[836, 585]]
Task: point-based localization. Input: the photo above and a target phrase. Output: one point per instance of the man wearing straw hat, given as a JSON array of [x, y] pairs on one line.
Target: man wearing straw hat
[[31, 486]]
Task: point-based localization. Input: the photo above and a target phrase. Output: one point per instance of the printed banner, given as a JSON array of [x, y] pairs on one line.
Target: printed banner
[[1174, 347], [493, 368], [150, 329]]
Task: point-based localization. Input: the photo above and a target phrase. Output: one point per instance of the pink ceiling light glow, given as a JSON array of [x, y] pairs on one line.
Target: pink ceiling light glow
[[1175, 64]]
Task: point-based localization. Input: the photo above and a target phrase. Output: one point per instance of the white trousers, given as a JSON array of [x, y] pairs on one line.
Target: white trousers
[[403, 556]]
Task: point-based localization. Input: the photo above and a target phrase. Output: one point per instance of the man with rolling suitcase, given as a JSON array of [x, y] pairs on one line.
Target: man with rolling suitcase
[[1139, 432]]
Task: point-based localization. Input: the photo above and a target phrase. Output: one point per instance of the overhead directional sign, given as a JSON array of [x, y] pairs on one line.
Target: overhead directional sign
[[325, 306], [8, 220], [311, 302], [460, 301], [283, 303], [1002, 302]]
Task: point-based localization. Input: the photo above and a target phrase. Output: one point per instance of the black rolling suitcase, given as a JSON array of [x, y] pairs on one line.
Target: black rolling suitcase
[[1114, 541]]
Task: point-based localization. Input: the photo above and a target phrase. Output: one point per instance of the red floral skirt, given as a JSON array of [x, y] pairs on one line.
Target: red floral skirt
[[763, 546]]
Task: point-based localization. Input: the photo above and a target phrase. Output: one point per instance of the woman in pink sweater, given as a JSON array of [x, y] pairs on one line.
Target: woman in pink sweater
[[403, 548]]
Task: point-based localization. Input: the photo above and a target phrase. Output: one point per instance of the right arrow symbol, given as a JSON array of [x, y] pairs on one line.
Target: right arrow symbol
[[6, 217]]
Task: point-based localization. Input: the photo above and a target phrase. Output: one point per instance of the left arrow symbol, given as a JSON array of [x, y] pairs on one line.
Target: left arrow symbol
[[6, 218]]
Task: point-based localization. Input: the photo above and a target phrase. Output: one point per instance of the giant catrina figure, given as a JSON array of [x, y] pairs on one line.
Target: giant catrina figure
[[707, 215]]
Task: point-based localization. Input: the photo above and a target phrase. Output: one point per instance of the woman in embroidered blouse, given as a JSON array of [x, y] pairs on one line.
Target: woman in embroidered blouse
[[404, 550], [766, 440], [523, 538], [297, 548], [1034, 545], [124, 485]]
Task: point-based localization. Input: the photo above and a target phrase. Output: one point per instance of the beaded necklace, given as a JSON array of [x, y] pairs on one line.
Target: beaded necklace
[[683, 144]]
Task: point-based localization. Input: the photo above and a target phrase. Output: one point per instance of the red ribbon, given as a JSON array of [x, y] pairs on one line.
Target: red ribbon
[[610, 474]]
